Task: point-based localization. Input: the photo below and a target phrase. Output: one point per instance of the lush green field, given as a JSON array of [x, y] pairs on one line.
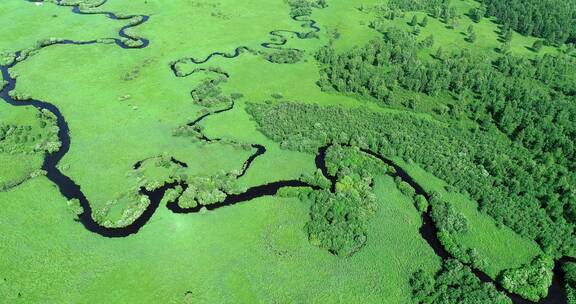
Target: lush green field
[[219, 79], [258, 253]]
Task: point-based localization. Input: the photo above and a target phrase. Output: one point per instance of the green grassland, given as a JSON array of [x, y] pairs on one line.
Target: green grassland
[[123, 106], [44, 20], [258, 253]]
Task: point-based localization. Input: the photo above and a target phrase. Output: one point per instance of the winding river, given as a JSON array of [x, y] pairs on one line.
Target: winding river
[[278, 45], [70, 190]]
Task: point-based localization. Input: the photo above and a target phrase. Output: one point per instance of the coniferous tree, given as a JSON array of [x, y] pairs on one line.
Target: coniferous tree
[[537, 46], [472, 37], [508, 35], [424, 22], [414, 21]]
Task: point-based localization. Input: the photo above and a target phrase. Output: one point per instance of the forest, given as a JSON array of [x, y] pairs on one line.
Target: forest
[[531, 101], [470, 160], [550, 19]]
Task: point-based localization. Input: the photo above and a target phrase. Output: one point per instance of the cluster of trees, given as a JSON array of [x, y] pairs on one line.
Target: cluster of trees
[[446, 218], [152, 174], [6, 57], [132, 43], [74, 207], [299, 8], [350, 161], [25, 53], [316, 179], [209, 190], [531, 281], [554, 20], [26, 139], [192, 191], [338, 220], [18, 95], [82, 3], [208, 93], [502, 176], [133, 203], [288, 56], [454, 283], [6, 185], [196, 132], [405, 187], [36, 139], [419, 200], [477, 13], [440, 9], [382, 12]]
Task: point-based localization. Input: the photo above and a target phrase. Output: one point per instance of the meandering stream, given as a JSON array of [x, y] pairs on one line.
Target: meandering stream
[[70, 190]]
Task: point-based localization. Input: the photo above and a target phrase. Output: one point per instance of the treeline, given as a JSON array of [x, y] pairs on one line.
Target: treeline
[[417, 5], [454, 283], [439, 9], [531, 101], [502, 176], [554, 20]]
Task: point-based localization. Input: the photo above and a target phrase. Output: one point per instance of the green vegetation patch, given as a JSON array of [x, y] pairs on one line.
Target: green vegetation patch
[[461, 158], [455, 283], [531, 281]]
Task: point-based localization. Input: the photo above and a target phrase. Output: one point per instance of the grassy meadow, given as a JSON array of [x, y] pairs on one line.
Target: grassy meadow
[[123, 105]]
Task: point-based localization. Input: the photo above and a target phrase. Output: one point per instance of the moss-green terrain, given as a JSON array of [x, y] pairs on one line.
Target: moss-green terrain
[[285, 151]]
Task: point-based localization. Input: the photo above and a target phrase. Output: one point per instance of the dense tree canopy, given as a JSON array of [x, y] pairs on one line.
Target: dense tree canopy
[[531, 281], [455, 283], [554, 20], [531, 101]]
